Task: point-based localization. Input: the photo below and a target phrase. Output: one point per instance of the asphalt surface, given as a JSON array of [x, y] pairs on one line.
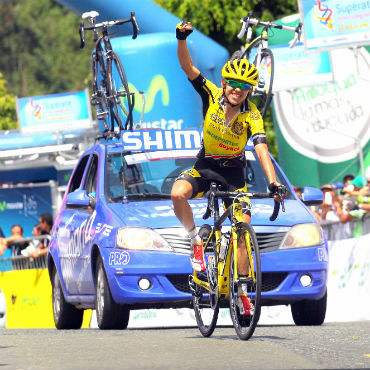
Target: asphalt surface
[[330, 346]]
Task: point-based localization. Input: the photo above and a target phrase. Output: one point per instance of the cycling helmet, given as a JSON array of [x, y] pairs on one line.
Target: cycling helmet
[[242, 70]]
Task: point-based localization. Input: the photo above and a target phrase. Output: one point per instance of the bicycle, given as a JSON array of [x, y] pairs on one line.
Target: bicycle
[[220, 280], [257, 50], [110, 88]]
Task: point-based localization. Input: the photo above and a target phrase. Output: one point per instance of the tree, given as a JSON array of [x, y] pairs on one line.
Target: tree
[[7, 107], [39, 50], [220, 20]]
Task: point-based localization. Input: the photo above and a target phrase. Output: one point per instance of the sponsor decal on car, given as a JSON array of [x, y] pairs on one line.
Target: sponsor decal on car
[[119, 258]]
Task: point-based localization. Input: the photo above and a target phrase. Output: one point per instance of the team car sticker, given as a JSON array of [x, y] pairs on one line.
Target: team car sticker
[[322, 255], [119, 258], [143, 140]]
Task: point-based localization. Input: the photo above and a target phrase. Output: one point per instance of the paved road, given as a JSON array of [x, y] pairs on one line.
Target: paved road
[[333, 346]]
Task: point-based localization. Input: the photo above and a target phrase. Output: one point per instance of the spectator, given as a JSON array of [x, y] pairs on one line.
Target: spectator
[[46, 223], [32, 246], [356, 187], [16, 234], [347, 178], [332, 208]]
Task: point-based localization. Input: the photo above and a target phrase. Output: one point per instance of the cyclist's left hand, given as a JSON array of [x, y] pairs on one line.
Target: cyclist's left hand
[[276, 187]]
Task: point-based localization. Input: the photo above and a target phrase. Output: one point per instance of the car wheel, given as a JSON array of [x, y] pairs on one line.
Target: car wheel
[[66, 316], [309, 312], [109, 314]]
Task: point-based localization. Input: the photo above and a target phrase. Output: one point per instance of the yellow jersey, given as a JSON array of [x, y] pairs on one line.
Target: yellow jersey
[[224, 142]]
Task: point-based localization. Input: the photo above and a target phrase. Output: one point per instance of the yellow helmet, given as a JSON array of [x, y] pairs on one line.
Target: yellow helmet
[[242, 70]]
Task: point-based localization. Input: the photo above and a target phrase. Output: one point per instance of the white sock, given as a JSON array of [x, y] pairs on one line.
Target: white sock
[[194, 237]]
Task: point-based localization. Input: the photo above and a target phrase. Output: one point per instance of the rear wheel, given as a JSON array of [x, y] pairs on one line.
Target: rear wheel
[[122, 102], [66, 316], [206, 304], [309, 312], [245, 324], [109, 314]]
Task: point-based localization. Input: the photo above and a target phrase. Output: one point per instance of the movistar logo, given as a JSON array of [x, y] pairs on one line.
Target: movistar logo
[[157, 84], [2, 206]]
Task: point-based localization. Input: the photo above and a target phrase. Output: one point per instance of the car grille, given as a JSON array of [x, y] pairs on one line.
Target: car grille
[[270, 281], [269, 241], [180, 242]]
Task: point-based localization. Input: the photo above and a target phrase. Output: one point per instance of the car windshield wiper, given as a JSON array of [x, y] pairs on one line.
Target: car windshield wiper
[[142, 196]]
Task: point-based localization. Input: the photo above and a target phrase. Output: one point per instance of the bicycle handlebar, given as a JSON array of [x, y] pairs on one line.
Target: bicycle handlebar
[[106, 24], [247, 22], [214, 194]]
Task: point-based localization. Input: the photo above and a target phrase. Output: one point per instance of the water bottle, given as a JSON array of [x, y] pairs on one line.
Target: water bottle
[[223, 247]]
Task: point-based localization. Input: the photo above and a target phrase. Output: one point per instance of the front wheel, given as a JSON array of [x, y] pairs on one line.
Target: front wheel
[[309, 312], [109, 314], [206, 303], [264, 61], [245, 324]]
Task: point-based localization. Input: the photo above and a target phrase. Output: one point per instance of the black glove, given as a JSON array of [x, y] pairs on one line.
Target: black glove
[[281, 189], [182, 35]]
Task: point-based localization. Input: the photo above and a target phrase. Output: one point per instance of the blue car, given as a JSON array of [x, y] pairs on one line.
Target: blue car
[[117, 245]]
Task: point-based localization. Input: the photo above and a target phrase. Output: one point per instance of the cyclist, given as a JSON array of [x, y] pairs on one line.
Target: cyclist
[[229, 119]]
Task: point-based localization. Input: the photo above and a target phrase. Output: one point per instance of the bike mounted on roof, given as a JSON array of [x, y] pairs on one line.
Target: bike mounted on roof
[[110, 90], [258, 52]]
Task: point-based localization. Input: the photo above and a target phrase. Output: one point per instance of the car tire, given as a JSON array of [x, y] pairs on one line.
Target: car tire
[[110, 315], [66, 316], [309, 312]]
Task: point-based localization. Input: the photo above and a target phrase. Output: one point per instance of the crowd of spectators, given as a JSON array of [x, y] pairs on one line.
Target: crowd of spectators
[[35, 248], [344, 201]]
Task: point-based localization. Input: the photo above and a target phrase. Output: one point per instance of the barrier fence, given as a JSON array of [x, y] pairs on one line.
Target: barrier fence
[[336, 230], [13, 261]]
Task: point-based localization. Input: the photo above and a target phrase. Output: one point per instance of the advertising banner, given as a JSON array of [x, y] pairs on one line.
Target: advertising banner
[[23, 205], [335, 23], [294, 68], [325, 128], [54, 113]]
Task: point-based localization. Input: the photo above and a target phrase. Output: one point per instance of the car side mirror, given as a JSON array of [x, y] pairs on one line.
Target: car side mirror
[[312, 196], [78, 198]]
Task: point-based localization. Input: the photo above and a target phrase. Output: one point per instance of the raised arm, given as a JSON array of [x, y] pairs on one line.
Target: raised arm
[[183, 30]]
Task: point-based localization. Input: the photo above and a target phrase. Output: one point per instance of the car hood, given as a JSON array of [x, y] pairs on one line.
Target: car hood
[[160, 214]]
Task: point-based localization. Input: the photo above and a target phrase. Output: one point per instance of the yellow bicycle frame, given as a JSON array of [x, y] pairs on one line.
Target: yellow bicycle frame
[[223, 267]]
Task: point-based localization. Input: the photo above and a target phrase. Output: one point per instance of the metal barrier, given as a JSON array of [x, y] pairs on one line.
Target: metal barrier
[[336, 230], [18, 262]]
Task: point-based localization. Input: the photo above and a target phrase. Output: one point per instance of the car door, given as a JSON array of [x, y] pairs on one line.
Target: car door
[[86, 231], [70, 219]]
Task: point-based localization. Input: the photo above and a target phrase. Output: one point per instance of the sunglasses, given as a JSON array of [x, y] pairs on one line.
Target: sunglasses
[[235, 84]]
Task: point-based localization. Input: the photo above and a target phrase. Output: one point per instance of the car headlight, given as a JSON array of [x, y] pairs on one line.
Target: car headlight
[[303, 235], [141, 238]]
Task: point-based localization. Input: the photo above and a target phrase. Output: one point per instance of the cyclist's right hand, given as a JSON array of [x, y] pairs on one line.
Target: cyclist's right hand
[[278, 189], [183, 30]]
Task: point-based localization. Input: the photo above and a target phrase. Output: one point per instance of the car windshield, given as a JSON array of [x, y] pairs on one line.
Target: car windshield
[[143, 175]]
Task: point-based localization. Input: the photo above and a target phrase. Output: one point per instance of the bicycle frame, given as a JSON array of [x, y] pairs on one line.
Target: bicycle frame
[[223, 267]]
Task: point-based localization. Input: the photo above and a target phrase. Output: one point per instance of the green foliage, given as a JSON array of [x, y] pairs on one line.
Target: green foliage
[[39, 49], [220, 20], [7, 107]]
